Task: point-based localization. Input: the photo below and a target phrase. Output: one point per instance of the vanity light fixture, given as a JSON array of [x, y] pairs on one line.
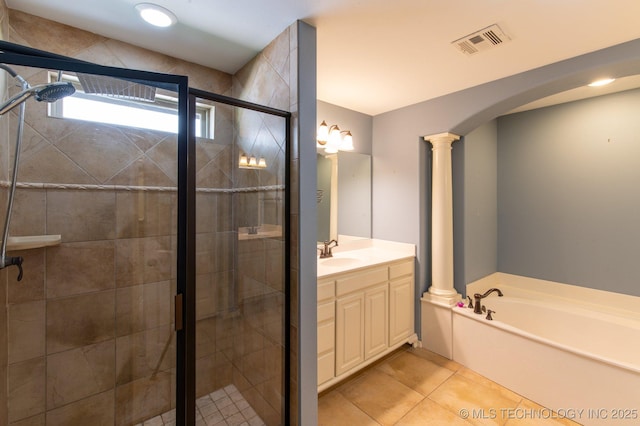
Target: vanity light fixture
[[251, 162], [156, 15], [602, 82], [330, 138]]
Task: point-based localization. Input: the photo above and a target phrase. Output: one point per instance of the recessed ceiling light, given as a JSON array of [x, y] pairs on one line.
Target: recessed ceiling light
[[602, 82], [156, 15]]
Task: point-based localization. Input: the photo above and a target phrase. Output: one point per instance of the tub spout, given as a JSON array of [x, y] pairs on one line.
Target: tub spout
[[477, 297]]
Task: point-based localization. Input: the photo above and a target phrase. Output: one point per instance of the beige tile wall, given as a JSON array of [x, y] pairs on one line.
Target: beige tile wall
[[100, 302]]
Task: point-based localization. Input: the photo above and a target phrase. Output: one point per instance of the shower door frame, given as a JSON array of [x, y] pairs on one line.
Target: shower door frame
[[190, 319], [11, 53]]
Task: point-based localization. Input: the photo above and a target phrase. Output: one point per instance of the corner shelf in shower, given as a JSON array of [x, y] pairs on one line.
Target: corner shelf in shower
[[32, 242]]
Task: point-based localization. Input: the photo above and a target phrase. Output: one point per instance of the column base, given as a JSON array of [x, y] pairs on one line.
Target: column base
[[437, 323], [442, 297]]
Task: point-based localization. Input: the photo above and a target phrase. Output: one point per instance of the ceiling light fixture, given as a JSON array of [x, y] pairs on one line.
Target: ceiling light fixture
[[330, 138], [602, 82], [156, 15]]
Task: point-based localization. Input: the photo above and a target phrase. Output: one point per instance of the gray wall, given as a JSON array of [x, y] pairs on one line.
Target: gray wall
[[569, 200], [401, 194], [305, 256], [475, 189]]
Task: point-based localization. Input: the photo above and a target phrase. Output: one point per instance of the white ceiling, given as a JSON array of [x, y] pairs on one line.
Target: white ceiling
[[373, 55]]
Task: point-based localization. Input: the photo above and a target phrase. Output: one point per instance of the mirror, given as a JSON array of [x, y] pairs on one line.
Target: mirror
[[326, 197], [344, 195]]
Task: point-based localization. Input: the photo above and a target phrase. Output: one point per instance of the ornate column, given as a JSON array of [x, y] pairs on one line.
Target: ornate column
[[437, 301], [441, 289]]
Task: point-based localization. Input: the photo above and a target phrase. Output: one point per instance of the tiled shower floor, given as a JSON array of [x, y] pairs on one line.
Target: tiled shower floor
[[224, 407]]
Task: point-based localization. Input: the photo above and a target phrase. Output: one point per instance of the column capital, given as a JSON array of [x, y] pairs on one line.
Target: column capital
[[442, 138]]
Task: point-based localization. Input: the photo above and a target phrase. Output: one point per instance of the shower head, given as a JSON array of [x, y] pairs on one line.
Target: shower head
[[43, 93], [53, 91]]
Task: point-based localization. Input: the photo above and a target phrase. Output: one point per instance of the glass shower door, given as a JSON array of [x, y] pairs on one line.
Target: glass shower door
[[241, 279], [90, 332]]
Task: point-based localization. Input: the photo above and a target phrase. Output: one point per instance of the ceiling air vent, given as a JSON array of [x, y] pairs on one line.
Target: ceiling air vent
[[481, 40]]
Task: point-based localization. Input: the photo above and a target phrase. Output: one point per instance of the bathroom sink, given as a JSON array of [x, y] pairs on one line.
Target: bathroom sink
[[339, 261], [363, 253]]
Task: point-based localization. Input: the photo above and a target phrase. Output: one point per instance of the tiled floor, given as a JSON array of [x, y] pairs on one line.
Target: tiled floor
[[224, 407], [418, 387]]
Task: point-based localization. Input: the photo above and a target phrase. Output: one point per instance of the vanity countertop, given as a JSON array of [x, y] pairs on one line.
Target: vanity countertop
[[353, 254]]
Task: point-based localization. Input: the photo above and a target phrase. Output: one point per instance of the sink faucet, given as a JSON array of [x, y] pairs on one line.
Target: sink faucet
[[326, 250], [477, 309]]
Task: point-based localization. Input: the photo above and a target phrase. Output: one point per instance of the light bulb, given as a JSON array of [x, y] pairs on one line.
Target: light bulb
[[323, 133], [347, 142]]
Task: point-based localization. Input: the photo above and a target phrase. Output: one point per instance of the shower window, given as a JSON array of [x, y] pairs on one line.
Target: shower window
[[158, 113]]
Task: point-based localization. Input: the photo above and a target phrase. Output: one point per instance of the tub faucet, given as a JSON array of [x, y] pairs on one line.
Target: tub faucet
[[326, 250], [477, 309]]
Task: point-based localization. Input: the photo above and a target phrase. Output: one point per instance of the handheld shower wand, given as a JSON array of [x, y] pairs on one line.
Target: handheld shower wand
[[44, 92]]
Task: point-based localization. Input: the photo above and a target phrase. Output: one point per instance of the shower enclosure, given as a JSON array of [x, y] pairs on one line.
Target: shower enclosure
[[155, 285]]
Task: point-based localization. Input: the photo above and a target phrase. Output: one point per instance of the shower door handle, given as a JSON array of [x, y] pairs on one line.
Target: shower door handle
[[177, 309]]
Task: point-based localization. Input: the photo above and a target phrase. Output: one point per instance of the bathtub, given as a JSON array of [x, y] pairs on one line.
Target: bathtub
[[579, 355]]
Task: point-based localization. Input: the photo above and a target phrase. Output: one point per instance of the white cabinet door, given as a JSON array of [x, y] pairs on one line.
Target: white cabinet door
[[376, 323], [401, 309], [326, 341], [349, 332]]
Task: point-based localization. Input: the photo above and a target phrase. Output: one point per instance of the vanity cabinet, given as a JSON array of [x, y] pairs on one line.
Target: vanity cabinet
[[373, 314]]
